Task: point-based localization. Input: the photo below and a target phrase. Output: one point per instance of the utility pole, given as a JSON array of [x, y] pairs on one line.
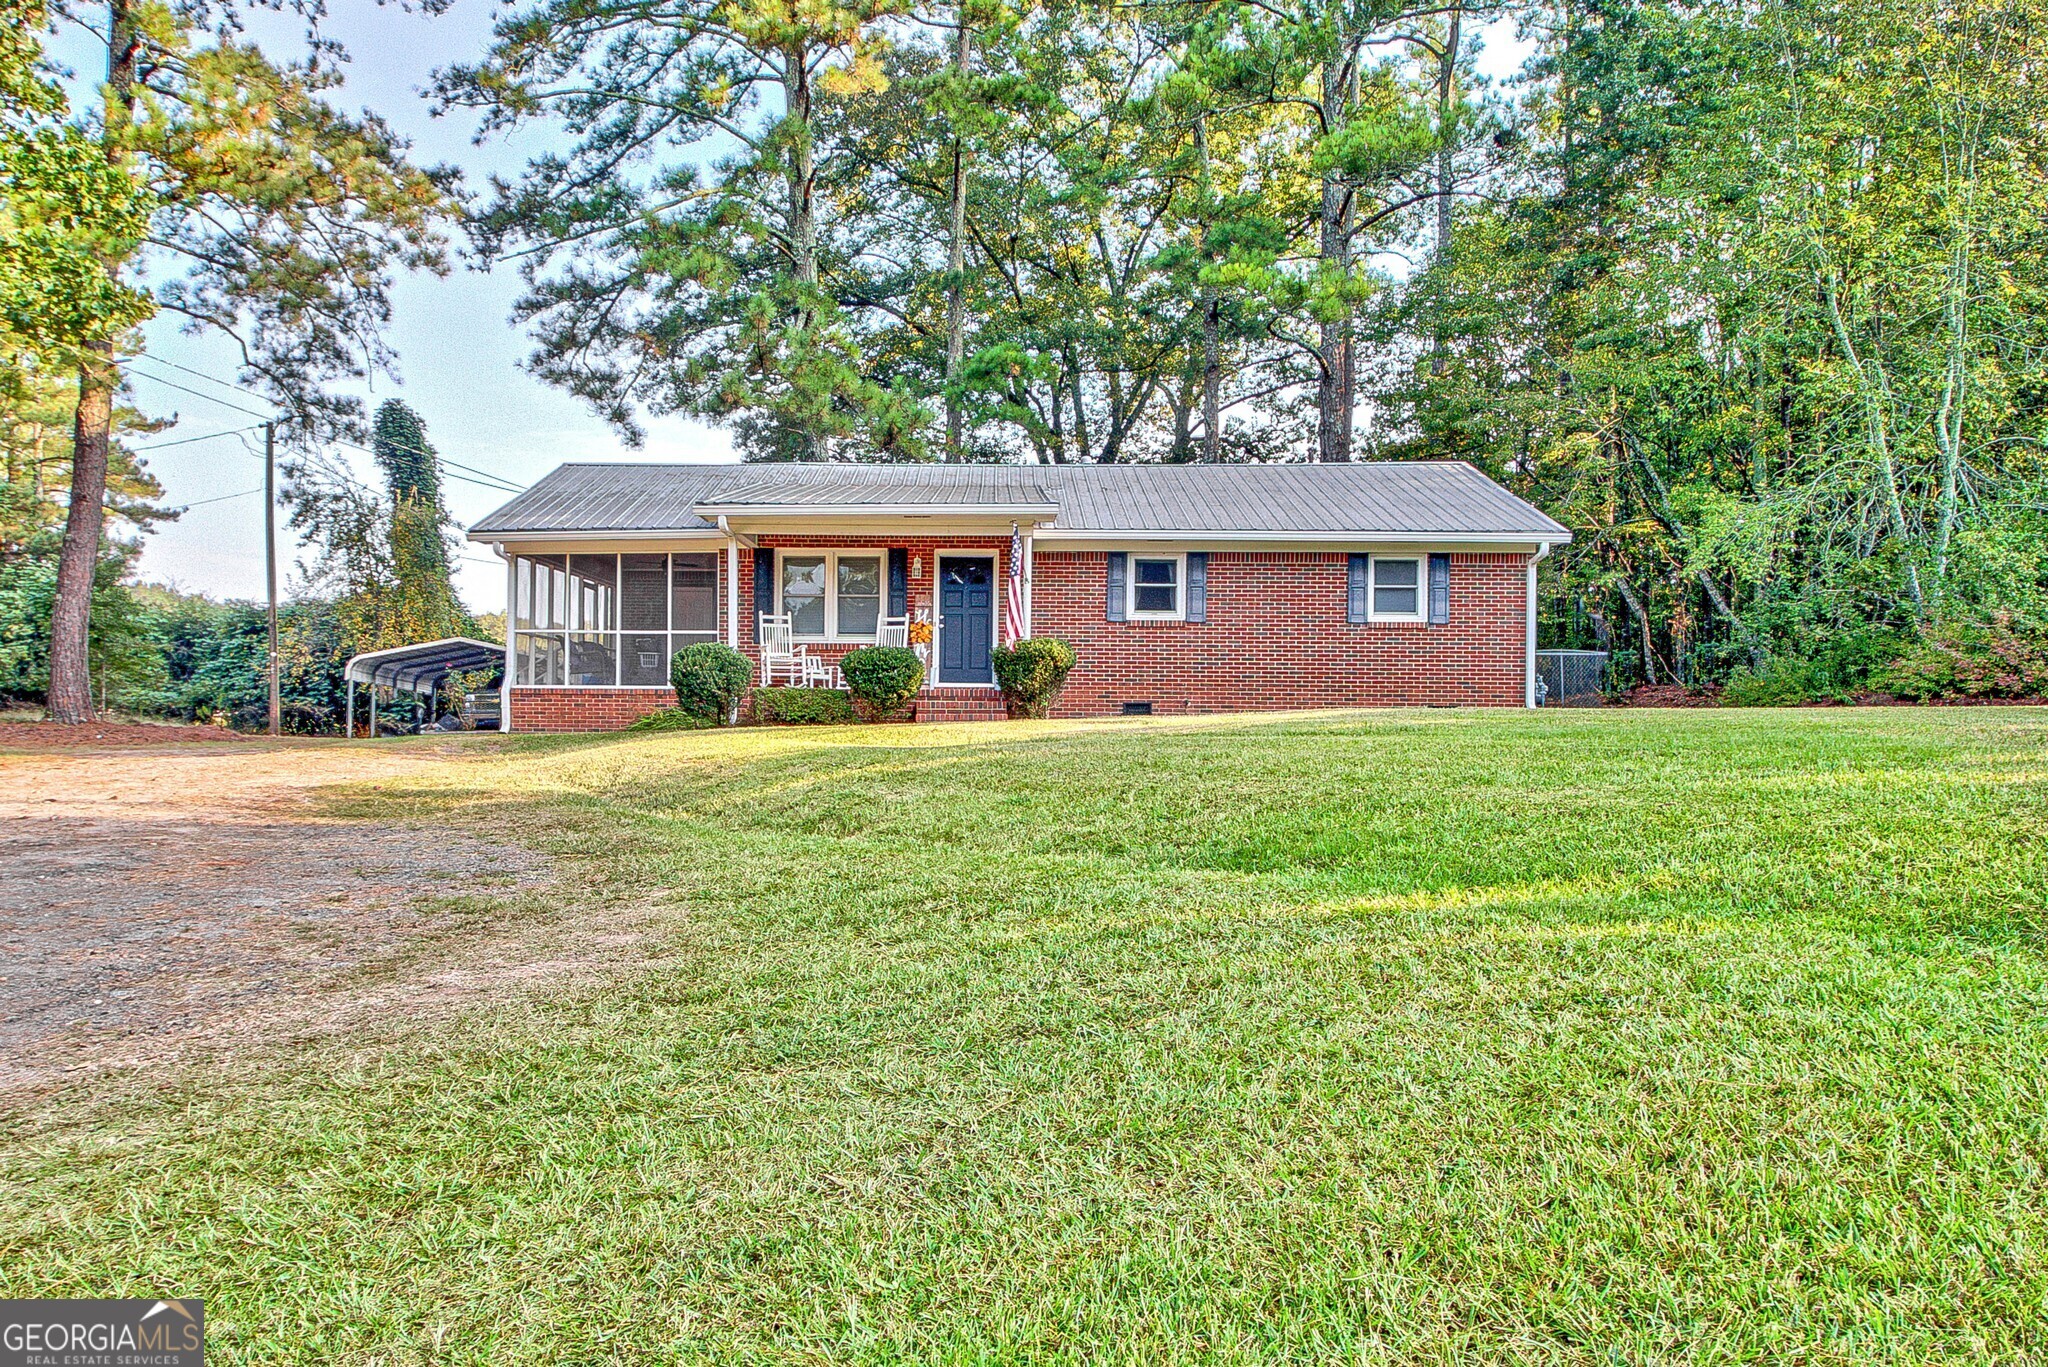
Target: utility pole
[[270, 557]]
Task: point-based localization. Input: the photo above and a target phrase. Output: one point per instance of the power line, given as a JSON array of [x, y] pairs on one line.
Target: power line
[[182, 389], [200, 374], [202, 502], [187, 441], [508, 485]]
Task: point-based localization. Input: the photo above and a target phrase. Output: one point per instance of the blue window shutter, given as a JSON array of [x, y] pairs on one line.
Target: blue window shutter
[[764, 587], [899, 582], [1198, 586], [1439, 589], [1118, 562], [1354, 600]]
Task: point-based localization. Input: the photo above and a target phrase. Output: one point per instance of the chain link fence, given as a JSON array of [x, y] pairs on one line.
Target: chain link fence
[[1571, 678]]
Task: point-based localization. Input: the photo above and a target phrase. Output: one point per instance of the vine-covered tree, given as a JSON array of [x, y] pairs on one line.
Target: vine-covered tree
[[384, 561]]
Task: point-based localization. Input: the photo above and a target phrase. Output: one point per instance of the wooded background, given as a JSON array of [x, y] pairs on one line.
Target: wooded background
[[1748, 296]]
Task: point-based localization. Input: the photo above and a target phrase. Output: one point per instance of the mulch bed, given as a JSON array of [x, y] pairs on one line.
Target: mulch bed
[[45, 735], [1678, 695], [1670, 695]]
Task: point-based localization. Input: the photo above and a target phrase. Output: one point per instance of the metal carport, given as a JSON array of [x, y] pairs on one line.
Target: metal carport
[[416, 669]]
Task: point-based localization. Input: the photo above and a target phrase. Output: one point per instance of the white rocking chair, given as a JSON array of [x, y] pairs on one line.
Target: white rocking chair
[[894, 631], [779, 652]]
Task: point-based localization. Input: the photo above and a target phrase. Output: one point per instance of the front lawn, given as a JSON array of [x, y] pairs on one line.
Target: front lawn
[[1390, 1037]]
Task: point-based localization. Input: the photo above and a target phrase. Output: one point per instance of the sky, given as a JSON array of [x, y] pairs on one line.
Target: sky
[[460, 353]]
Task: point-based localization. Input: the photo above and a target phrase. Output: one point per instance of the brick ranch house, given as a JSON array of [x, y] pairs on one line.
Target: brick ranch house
[[1182, 588]]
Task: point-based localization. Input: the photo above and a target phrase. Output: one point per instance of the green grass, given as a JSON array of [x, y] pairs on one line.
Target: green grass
[[1400, 1037]]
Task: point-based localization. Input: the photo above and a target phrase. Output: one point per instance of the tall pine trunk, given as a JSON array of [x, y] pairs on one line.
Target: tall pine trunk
[[1212, 351], [70, 697], [1336, 385], [802, 179], [1447, 76], [956, 260]]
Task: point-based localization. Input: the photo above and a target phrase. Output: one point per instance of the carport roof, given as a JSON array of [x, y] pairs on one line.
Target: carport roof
[[420, 668]]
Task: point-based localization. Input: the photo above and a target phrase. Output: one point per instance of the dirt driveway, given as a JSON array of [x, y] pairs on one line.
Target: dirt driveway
[[156, 900]]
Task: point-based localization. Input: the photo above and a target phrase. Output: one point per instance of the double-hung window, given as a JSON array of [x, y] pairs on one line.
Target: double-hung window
[[1157, 588], [831, 595], [1394, 591]]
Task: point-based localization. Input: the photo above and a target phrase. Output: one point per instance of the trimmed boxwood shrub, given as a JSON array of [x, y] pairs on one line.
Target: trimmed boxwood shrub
[[802, 706], [883, 679], [671, 719], [709, 679], [1032, 672]]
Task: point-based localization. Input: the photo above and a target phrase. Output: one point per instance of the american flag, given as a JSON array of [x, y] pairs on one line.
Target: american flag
[[1013, 600]]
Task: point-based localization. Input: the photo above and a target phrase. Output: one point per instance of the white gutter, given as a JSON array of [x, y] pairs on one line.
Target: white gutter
[[732, 583], [1193, 536], [589, 534], [1324, 538], [1529, 684]]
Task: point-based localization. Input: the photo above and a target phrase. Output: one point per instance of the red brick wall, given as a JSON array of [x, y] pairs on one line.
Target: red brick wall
[[1277, 638], [585, 709]]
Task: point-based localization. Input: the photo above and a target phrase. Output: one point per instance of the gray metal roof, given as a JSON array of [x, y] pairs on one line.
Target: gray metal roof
[[870, 486], [419, 668], [1415, 498]]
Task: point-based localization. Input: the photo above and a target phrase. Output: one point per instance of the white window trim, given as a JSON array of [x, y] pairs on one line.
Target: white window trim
[[1180, 587], [831, 554], [1372, 585]]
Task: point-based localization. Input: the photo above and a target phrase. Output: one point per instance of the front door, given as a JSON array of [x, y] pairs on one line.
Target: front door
[[967, 618]]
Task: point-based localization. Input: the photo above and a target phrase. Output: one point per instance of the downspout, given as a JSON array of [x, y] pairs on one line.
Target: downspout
[[511, 614], [1529, 679]]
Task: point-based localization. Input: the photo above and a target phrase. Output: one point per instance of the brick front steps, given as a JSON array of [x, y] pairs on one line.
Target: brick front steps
[[961, 704]]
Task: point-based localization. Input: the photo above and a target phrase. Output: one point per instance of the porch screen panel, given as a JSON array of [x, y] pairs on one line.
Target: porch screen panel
[[593, 592], [541, 582], [593, 659], [693, 598], [643, 620], [643, 592], [540, 611], [643, 659], [536, 658]]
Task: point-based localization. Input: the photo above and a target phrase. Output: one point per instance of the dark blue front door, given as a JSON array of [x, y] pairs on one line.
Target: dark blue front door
[[967, 619]]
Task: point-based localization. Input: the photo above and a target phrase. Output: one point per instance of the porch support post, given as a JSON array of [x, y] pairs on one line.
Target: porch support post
[[732, 592], [511, 625], [348, 727], [1029, 557], [373, 704]]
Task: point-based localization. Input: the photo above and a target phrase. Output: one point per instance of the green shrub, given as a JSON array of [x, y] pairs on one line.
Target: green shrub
[[883, 679], [1997, 660], [1032, 672], [802, 706], [1777, 682], [1831, 668], [671, 719], [709, 679]]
